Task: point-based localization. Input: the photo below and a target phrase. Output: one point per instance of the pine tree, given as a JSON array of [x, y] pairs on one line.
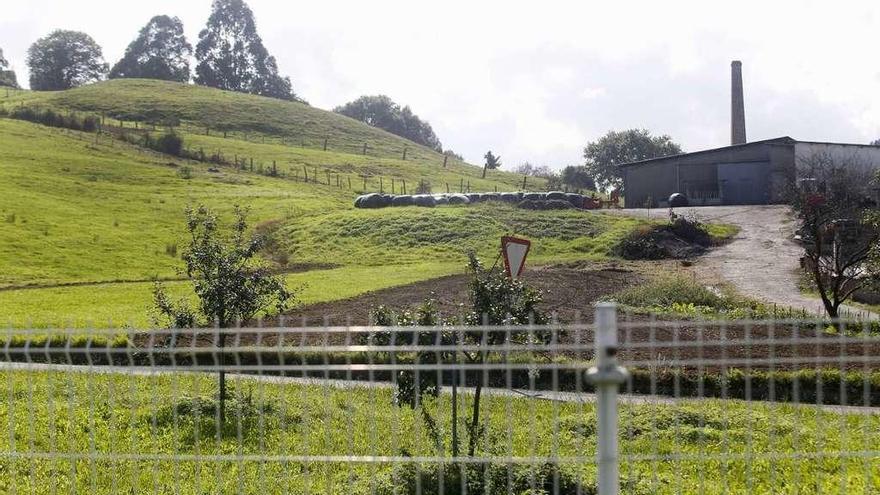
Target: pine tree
[[159, 52], [231, 54]]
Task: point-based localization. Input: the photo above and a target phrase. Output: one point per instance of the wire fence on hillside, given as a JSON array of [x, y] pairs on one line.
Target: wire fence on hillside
[[105, 131], [704, 407]]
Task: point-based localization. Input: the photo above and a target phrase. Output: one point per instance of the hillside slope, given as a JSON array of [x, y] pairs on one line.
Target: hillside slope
[[146, 100], [88, 220], [264, 129]]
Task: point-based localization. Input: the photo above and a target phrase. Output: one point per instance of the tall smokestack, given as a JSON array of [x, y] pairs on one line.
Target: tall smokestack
[[737, 108]]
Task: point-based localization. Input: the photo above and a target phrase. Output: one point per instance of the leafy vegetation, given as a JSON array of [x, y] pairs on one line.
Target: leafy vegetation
[[683, 296], [105, 413], [605, 155], [231, 54], [64, 60], [382, 112], [159, 52]]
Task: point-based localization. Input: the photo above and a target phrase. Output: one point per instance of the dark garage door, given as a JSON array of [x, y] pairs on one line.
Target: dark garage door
[[743, 183]]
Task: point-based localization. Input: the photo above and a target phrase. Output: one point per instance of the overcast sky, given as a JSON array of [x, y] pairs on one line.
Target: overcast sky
[[534, 81]]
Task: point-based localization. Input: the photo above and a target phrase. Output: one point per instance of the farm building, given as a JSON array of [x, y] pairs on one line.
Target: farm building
[[743, 173]]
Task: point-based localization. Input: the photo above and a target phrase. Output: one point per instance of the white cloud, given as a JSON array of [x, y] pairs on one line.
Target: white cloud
[[535, 82]]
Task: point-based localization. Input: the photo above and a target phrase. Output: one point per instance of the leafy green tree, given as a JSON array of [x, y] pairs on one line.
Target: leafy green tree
[[492, 162], [382, 112], [159, 52], [231, 284], [64, 60], [840, 227], [578, 177], [875, 142], [605, 155], [7, 77], [231, 54]]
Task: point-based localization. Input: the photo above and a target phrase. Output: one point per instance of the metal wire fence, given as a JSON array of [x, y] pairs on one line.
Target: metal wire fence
[[787, 406]]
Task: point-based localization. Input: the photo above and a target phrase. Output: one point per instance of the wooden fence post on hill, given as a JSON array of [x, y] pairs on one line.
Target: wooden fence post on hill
[[445, 159], [524, 181], [365, 149], [325, 144], [404, 153]]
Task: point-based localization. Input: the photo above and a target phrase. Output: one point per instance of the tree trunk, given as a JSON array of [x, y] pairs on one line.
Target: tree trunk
[[475, 420], [455, 408], [222, 380]]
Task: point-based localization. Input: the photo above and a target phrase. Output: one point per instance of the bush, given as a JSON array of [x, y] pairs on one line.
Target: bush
[[669, 290], [169, 143], [483, 478], [185, 172]]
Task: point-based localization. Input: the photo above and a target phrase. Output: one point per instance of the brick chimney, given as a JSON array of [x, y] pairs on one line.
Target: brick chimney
[[737, 107]]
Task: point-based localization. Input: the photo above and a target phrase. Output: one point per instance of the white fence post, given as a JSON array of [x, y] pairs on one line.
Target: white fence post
[[607, 376]]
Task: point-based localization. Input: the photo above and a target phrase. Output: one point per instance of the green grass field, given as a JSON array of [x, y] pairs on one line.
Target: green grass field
[[87, 222], [722, 446]]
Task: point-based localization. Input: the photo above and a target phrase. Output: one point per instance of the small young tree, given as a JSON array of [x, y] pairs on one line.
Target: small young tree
[[833, 201], [231, 284], [495, 300], [64, 60], [492, 162]]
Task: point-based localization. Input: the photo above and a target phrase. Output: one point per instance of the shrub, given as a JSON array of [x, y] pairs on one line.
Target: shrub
[[185, 172], [668, 290], [483, 478], [170, 143]]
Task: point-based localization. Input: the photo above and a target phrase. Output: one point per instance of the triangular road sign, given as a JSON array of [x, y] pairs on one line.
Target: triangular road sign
[[514, 251]]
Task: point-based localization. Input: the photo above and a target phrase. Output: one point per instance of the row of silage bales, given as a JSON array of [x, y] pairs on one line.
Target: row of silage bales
[[529, 200]]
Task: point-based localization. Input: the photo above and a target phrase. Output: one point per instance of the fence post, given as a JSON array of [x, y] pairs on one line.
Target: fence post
[[607, 376]]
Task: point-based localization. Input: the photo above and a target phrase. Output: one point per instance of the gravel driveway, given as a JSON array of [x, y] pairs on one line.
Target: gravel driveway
[[762, 261]]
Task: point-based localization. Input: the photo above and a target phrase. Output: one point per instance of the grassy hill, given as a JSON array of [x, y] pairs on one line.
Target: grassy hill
[[87, 221]]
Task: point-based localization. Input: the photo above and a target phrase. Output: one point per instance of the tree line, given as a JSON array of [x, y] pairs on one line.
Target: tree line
[[229, 55]]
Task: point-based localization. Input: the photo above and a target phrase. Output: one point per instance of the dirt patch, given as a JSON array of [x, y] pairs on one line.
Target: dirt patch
[[569, 291]]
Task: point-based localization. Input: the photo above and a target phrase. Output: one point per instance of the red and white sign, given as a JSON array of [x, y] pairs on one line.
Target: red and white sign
[[514, 251]]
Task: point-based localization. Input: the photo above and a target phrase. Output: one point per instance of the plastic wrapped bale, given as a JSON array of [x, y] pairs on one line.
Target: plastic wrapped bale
[[458, 199], [424, 200], [534, 196], [559, 195], [387, 200], [404, 200], [510, 197], [373, 200], [576, 200], [474, 197], [441, 199], [490, 197], [677, 200]]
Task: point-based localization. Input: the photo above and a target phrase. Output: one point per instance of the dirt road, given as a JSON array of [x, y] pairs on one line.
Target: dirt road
[[762, 261]]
